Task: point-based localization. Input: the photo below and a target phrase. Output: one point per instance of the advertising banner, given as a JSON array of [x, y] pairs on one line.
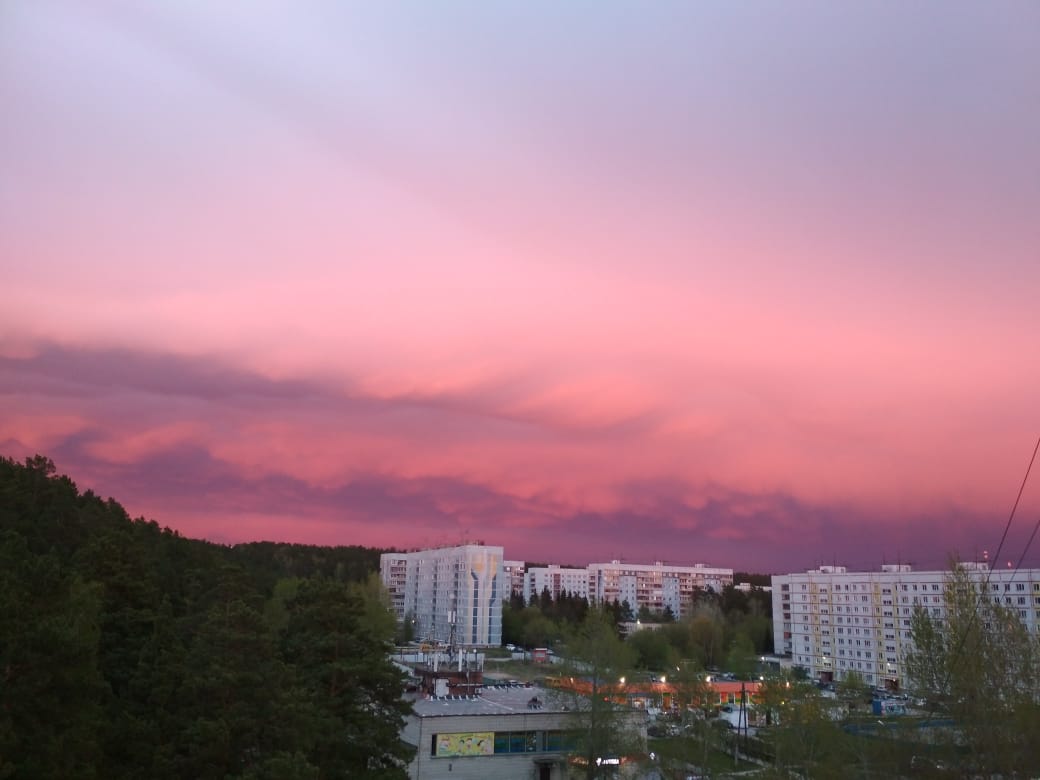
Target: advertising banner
[[477, 743]]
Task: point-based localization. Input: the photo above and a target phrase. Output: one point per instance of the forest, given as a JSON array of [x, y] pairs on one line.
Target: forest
[[128, 651], [729, 629]]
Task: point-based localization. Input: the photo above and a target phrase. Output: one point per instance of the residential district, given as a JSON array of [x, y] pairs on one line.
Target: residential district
[[829, 625]]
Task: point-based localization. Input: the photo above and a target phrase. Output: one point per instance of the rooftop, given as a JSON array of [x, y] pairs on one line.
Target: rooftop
[[899, 568], [492, 700]]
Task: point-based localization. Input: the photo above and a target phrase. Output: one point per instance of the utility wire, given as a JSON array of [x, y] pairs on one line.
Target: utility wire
[[1036, 527], [1014, 508], [989, 573]]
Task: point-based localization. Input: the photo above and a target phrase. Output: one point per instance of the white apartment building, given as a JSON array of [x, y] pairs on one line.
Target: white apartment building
[[556, 580], [832, 621], [454, 594], [747, 587], [654, 586], [514, 571]]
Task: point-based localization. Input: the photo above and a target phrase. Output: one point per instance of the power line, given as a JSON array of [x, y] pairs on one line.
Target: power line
[[989, 572], [1036, 527]]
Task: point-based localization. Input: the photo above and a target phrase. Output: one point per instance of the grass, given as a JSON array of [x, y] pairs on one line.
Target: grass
[[679, 752]]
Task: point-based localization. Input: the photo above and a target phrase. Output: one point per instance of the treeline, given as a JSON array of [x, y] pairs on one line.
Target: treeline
[[128, 651], [728, 629]]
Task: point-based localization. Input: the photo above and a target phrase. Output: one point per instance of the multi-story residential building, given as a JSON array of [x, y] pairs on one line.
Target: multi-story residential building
[[514, 571], [556, 580], [453, 594], [747, 587], [832, 621], [654, 586]]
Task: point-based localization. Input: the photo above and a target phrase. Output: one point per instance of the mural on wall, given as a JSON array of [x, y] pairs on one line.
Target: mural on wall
[[477, 743]]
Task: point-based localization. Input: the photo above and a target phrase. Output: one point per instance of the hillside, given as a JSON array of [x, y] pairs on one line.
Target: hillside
[[127, 650]]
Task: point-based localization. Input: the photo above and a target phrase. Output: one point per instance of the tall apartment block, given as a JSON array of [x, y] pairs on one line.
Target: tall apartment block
[[654, 586], [515, 571], [454, 594], [832, 621], [557, 580]]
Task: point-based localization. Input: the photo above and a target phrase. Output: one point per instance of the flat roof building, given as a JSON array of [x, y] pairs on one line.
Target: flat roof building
[[832, 621], [556, 580], [505, 731], [655, 586], [453, 595], [515, 575]]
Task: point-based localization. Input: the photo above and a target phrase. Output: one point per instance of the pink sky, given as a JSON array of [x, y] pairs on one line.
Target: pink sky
[[689, 282]]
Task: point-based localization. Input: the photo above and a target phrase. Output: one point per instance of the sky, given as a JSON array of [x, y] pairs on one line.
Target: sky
[[748, 284]]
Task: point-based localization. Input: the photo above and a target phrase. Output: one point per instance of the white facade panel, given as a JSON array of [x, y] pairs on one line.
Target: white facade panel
[[452, 594], [832, 621], [556, 580]]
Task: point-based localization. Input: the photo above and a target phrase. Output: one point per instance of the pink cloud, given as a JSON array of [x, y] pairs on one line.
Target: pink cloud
[[695, 293]]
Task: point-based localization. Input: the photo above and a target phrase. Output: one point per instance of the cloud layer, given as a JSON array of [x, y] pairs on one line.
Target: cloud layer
[[692, 283]]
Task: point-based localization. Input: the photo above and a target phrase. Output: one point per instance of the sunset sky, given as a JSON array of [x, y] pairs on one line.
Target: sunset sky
[[750, 284]]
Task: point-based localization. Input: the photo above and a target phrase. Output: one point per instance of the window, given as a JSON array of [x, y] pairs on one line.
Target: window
[[555, 741]]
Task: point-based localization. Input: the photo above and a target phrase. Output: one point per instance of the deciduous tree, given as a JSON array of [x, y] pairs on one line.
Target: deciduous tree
[[602, 723]]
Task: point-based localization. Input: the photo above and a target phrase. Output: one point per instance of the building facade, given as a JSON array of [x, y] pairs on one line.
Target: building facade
[[515, 575], [655, 586], [508, 731], [453, 595], [556, 580], [832, 621]]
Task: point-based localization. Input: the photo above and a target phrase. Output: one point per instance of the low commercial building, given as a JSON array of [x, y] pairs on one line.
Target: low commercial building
[[506, 731], [660, 694]]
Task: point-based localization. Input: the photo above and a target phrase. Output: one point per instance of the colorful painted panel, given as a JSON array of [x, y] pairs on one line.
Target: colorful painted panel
[[478, 743]]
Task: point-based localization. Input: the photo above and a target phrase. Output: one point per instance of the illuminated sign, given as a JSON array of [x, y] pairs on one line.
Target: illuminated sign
[[475, 743]]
